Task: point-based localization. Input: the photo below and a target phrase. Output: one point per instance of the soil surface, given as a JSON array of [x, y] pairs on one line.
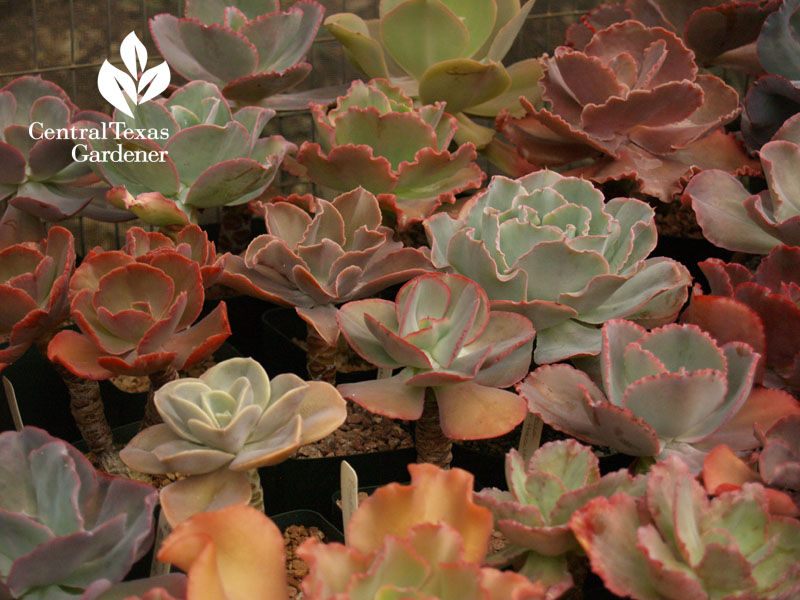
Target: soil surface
[[296, 567]]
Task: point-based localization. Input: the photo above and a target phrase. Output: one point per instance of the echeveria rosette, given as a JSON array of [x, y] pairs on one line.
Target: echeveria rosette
[[65, 525], [443, 51], [137, 316], [760, 309], [733, 218], [672, 390], [721, 33], [630, 105], [534, 513], [230, 420], [39, 176], [251, 50], [34, 281], [443, 335], [317, 254], [424, 540], [550, 248], [377, 139], [214, 157], [675, 543], [191, 242]]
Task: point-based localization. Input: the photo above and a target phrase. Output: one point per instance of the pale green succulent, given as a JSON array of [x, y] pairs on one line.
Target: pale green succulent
[[549, 247], [533, 515], [65, 526], [230, 420], [676, 544], [444, 50]]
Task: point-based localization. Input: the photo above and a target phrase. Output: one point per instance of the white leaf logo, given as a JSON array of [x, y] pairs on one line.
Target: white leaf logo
[[121, 89]]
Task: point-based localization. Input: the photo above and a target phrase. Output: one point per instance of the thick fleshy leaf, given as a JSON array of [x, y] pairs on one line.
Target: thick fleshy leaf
[[389, 397], [722, 469], [222, 52], [284, 39], [469, 411], [220, 489], [778, 44], [462, 83], [254, 89], [347, 167], [362, 50], [230, 182], [78, 354]]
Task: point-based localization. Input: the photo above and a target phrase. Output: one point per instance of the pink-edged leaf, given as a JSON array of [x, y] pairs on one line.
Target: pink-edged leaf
[[779, 267], [388, 397], [323, 320], [722, 469], [723, 277], [402, 352], [284, 38], [166, 34], [263, 281], [196, 149], [16, 305], [12, 171], [152, 208], [469, 411], [222, 52], [352, 322], [780, 317], [347, 167], [156, 336], [229, 181], [254, 89], [203, 493], [48, 157], [667, 573], [184, 274], [78, 354], [567, 400], [764, 406], [201, 339], [137, 365]]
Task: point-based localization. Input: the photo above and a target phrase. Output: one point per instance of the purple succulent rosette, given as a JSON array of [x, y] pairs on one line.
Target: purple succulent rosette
[[40, 176], [633, 105], [209, 157], [250, 50], [66, 527], [672, 390], [733, 218]]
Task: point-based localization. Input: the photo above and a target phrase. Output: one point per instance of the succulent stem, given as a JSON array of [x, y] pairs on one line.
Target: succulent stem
[[432, 445], [151, 416], [320, 358], [257, 492]]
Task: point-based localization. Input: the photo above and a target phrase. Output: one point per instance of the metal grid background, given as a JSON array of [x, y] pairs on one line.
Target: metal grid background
[[66, 41]]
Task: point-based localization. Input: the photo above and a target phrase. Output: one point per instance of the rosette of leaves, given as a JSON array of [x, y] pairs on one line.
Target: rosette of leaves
[[137, 315], [229, 421], [758, 308], [39, 176], [550, 248], [630, 105], [317, 254], [721, 33], [672, 390], [376, 139], [542, 495], [250, 49], [423, 540], [444, 51], [34, 279], [777, 466], [65, 525], [454, 353], [733, 218], [675, 543], [774, 97], [213, 157]]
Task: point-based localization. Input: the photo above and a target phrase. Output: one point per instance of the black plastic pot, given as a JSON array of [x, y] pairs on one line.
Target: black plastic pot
[[308, 518]]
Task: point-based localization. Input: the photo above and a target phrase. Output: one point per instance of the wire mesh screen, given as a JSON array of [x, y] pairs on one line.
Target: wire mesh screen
[[67, 41]]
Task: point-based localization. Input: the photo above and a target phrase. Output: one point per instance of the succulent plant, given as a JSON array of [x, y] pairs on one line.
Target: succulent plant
[[542, 495], [758, 308], [721, 33], [137, 316], [34, 280], [674, 543], [424, 540], [191, 242], [230, 420], [443, 335], [515, 239], [65, 525], [672, 390], [451, 50], [648, 116], [775, 97], [210, 156], [733, 218], [39, 175], [251, 49], [375, 138], [337, 253]]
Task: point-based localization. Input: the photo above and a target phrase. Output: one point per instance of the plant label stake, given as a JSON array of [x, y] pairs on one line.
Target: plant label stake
[[531, 436], [349, 484], [11, 398], [162, 531]]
